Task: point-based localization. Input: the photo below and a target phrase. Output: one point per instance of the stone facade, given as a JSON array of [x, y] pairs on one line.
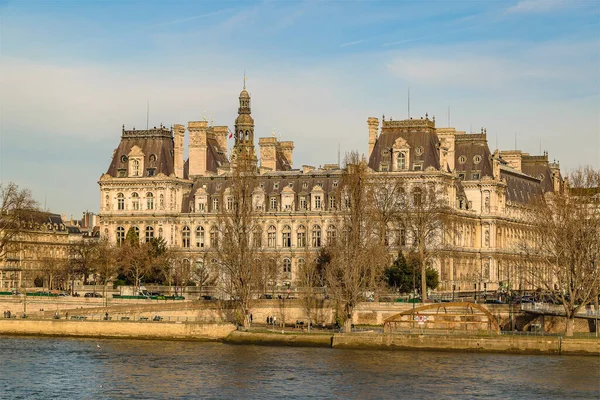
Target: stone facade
[[146, 189]]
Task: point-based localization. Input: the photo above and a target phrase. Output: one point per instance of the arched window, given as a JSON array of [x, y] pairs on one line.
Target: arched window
[[286, 236], [120, 235], [185, 236], [331, 234], [214, 237], [199, 236], [301, 236], [401, 160], [287, 266], [135, 168], [120, 201], [135, 201], [150, 201], [417, 197], [316, 236], [137, 232], [257, 237], [149, 233], [272, 236], [301, 264]]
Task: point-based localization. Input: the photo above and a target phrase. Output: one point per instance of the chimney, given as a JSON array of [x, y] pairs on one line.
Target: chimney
[[373, 128], [221, 133], [197, 147], [268, 159], [179, 131], [513, 158], [287, 149]]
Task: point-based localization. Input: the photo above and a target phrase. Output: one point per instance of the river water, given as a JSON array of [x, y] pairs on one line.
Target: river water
[[36, 368]]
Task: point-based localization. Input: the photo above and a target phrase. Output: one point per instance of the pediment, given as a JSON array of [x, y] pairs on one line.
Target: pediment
[[135, 151], [401, 143]]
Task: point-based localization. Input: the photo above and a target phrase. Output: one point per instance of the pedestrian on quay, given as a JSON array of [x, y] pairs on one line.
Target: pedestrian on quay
[[250, 319], [274, 321]]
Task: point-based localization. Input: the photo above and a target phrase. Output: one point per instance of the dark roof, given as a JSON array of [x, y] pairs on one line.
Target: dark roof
[[417, 133], [469, 146], [537, 166], [282, 162], [154, 142], [520, 188]]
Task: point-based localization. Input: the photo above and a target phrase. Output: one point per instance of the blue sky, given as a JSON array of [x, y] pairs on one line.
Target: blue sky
[[71, 73]]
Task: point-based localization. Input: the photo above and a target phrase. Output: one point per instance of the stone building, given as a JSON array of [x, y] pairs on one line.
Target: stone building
[[40, 250], [150, 188]]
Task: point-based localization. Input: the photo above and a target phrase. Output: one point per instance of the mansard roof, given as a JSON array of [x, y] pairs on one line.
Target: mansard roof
[[466, 148], [538, 167], [156, 142], [520, 187], [417, 133]]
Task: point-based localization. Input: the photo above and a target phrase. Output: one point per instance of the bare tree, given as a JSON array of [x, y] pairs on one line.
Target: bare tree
[[562, 253], [85, 256], [134, 258], [16, 207], [239, 260], [359, 256], [424, 213], [106, 267], [54, 270], [311, 279]]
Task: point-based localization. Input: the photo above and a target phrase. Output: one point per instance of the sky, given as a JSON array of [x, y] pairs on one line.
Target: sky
[[73, 72]]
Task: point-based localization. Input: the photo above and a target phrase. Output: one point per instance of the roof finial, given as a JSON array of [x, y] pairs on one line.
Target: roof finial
[[244, 78], [273, 132]]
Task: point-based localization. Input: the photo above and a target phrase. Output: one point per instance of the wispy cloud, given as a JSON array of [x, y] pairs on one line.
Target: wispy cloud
[[538, 6], [353, 43]]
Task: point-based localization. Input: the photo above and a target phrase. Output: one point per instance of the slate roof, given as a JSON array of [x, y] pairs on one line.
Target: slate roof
[[157, 142], [537, 166], [469, 146], [521, 188], [415, 136]]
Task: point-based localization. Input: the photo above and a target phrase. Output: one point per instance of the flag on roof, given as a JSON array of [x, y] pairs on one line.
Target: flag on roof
[[230, 133]]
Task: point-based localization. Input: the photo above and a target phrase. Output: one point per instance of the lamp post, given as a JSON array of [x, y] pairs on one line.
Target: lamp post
[[453, 288]]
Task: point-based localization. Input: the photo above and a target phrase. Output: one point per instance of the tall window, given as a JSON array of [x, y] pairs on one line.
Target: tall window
[[120, 235], [215, 206], [199, 236], [149, 201], [274, 203], [136, 230], [214, 237], [303, 203], [401, 161], [185, 236], [286, 236], [229, 203], [331, 234], [149, 233], [317, 202], [316, 236], [417, 197], [257, 237], [135, 168], [332, 202], [120, 201], [135, 201], [272, 236], [287, 266], [301, 236], [301, 264]]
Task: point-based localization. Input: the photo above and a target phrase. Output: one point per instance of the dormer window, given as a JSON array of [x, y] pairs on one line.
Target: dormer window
[[401, 161], [304, 185], [462, 159], [123, 158], [151, 171], [152, 158], [276, 185], [135, 168]]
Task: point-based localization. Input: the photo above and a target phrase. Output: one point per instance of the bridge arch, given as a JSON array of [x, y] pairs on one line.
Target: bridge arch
[[445, 316]]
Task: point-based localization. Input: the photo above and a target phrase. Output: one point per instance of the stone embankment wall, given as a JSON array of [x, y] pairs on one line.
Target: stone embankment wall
[[120, 329], [502, 344]]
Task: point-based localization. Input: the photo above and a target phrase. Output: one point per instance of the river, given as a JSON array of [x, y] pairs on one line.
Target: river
[[42, 368]]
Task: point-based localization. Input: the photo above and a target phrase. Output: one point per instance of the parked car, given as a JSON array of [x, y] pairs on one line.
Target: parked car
[[266, 296], [92, 295], [494, 301], [206, 297]]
